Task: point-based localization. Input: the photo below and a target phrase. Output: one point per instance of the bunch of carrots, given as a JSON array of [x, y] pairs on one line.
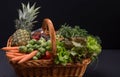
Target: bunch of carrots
[[15, 56]]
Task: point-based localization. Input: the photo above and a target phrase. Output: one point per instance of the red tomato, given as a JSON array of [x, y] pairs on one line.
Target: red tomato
[[36, 35], [48, 55]]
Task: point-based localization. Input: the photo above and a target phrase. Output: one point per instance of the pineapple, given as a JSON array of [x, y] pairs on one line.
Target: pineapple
[[24, 24]]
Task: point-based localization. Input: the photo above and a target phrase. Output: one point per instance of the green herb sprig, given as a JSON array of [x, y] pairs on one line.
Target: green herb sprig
[[68, 32]]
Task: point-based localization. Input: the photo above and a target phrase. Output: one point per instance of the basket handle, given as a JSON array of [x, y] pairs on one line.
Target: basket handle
[[48, 28]]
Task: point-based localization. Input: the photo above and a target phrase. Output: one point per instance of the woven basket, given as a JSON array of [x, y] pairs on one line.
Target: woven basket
[[47, 68]]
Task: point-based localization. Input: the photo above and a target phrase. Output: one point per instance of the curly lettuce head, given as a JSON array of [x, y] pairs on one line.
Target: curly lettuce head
[[93, 45]]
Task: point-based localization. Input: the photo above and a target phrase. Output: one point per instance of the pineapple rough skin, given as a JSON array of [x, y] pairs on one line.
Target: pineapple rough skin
[[20, 37]]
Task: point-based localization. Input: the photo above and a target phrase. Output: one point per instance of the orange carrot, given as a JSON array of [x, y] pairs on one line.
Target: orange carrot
[[28, 56], [15, 53], [10, 48], [17, 58], [15, 50], [10, 55]]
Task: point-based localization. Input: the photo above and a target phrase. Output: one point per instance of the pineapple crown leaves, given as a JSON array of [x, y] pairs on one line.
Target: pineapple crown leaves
[[27, 16]]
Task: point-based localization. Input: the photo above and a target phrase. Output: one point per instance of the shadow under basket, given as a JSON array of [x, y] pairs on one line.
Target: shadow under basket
[[47, 68]]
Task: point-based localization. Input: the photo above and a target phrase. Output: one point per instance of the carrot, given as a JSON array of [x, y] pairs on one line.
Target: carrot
[[15, 50], [10, 55], [17, 58], [10, 48], [28, 56], [15, 53]]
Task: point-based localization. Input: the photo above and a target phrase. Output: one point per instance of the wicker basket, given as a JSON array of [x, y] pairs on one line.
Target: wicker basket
[[47, 68]]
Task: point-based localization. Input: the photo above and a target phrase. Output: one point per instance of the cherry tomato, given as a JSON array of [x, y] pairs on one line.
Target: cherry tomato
[[48, 55]]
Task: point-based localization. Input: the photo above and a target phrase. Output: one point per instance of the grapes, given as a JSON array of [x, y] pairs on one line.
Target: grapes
[[36, 46], [48, 48], [32, 42], [42, 50], [35, 58], [30, 50], [29, 45], [23, 49], [38, 54], [44, 44], [41, 45], [48, 42]]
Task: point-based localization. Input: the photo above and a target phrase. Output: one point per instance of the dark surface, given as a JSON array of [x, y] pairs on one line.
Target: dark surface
[[108, 65], [99, 17]]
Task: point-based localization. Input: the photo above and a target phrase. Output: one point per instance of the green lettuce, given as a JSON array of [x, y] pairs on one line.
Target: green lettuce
[[93, 45]]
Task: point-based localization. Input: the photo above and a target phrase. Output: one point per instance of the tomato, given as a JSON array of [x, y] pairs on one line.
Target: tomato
[[36, 35], [48, 55]]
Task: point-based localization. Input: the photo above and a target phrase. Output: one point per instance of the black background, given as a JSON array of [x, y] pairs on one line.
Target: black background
[[99, 17]]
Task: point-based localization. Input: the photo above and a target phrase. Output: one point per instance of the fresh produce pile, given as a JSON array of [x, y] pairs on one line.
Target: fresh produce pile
[[76, 44], [73, 43]]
